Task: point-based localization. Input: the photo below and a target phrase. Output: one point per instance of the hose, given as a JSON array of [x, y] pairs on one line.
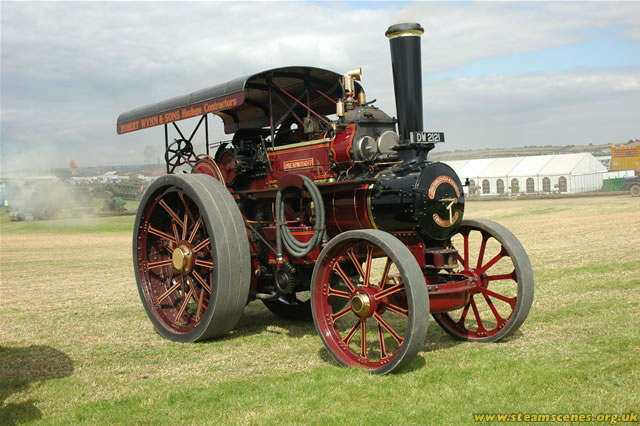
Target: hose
[[284, 235]]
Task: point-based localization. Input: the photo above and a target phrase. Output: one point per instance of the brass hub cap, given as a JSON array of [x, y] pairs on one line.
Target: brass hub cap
[[182, 259], [360, 304]]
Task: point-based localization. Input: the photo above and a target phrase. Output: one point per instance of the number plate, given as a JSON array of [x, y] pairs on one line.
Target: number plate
[[427, 137]]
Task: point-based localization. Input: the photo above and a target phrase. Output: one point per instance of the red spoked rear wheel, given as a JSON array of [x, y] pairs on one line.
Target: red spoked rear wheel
[[383, 323], [191, 257], [496, 261]]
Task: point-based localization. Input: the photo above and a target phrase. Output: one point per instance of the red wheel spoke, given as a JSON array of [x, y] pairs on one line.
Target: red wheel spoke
[[200, 246], [186, 208], [161, 234], [499, 319], [398, 309], [461, 260], [387, 327], [195, 229], [349, 336], [159, 264], [175, 230], [200, 300], [367, 273], [338, 269], [202, 282], [483, 246], [363, 338], [184, 304], [476, 313], [383, 350], [354, 259], [465, 237], [336, 317], [385, 273], [511, 276], [204, 263], [184, 227], [387, 292], [463, 315], [491, 262], [166, 294], [338, 293], [171, 212], [510, 300]]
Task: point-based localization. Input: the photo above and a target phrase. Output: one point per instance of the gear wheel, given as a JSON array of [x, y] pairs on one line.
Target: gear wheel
[[285, 278]]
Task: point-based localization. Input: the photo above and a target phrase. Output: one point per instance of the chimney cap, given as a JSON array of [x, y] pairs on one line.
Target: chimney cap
[[405, 29]]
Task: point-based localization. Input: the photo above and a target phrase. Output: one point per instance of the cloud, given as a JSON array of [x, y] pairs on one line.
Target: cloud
[[69, 69]]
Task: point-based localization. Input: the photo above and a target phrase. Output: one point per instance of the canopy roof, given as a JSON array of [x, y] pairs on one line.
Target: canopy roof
[[244, 102]]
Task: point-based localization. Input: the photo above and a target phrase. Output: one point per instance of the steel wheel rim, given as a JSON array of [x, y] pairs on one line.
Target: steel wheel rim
[[383, 340], [176, 294], [480, 318]]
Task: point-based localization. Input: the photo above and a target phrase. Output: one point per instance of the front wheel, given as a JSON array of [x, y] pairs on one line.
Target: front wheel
[[383, 323], [635, 191], [494, 259]]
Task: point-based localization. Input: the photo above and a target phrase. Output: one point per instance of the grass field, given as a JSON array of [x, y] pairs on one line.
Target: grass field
[[76, 345]]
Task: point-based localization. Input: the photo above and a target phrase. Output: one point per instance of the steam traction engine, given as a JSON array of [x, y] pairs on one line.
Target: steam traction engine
[[341, 219]]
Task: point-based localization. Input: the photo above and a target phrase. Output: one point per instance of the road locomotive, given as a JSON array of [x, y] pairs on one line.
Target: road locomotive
[[323, 207]]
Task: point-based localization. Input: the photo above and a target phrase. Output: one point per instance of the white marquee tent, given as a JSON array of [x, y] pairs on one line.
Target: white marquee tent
[[571, 173]]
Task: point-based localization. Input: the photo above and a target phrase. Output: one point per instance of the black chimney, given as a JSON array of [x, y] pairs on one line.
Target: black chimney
[[407, 76]]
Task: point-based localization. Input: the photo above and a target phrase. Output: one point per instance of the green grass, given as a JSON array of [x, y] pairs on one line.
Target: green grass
[[76, 345], [67, 225]]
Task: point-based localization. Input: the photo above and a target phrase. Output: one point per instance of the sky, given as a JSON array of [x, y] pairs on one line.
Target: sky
[[495, 74]]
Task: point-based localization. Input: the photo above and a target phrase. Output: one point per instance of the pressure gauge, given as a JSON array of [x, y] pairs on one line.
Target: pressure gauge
[[387, 140], [366, 148]]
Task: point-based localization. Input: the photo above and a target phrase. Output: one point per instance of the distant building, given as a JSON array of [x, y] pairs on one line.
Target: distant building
[[568, 173], [625, 156]]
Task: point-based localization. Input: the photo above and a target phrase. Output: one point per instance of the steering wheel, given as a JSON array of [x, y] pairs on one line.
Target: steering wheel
[[178, 153]]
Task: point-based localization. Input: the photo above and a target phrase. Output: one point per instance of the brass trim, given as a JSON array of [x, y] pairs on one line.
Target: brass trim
[[299, 144], [406, 33], [369, 212], [360, 304]]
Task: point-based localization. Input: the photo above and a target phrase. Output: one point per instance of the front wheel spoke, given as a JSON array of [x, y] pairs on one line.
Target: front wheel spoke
[[367, 272], [349, 336], [161, 234], [159, 264], [383, 349], [171, 212], [492, 262], [399, 339], [465, 237], [363, 338], [184, 304], [388, 291], [202, 245], [166, 294], [463, 315], [499, 319], [510, 300], [398, 309], [204, 263], [195, 229], [511, 276], [483, 246], [338, 293], [202, 282], [476, 313], [385, 273], [355, 262], [338, 269], [337, 316]]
